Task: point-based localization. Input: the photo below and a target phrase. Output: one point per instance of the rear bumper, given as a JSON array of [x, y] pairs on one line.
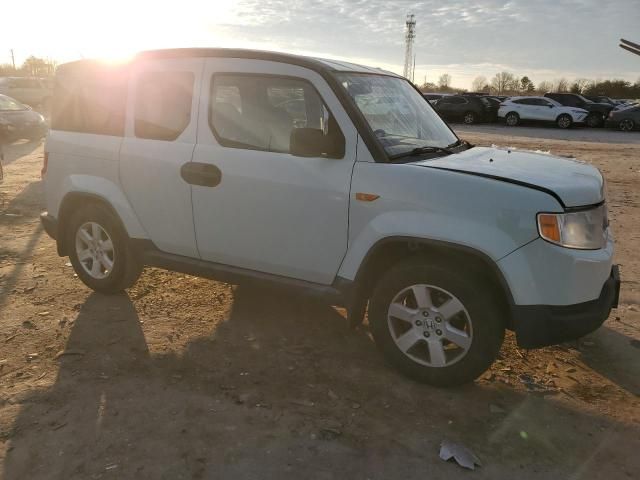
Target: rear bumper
[[50, 224], [542, 325]]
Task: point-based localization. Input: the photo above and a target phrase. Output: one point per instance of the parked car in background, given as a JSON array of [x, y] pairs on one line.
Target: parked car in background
[[601, 99], [432, 97], [494, 101], [514, 110], [597, 111], [468, 109], [626, 118], [35, 92], [20, 121], [444, 244]]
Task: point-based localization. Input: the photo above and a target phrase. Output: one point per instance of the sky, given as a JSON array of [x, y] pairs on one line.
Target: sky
[[543, 39]]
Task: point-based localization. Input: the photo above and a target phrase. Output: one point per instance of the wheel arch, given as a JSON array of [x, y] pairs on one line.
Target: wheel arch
[[70, 203], [391, 250], [567, 114]]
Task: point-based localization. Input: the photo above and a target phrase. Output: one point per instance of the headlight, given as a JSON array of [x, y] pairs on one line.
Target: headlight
[[586, 229]]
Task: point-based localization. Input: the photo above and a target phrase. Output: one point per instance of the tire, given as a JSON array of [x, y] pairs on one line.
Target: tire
[[627, 125], [564, 121], [479, 320], [512, 119], [118, 267], [469, 118], [594, 120]]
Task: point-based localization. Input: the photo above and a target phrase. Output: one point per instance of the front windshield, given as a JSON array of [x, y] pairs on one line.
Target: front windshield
[[401, 119], [7, 103]]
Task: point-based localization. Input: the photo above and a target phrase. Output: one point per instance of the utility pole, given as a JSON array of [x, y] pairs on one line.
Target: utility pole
[[413, 73], [409, 36], [13, 60]]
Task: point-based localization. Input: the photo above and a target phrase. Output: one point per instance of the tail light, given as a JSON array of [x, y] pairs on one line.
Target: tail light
[[45, 164]]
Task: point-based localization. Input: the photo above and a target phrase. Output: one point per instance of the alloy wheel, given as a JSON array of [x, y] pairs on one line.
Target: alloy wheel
[[94, 249], [512, 120], [469, 118], [564, 122], [430, 325], [626, 125]]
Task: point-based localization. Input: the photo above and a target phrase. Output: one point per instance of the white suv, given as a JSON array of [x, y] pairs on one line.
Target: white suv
[[241, 165], [540, 109]]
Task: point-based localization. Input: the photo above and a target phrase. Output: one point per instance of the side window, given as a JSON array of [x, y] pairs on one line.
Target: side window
[[262, 112], [162, 108], [90, 101], [458, 100]]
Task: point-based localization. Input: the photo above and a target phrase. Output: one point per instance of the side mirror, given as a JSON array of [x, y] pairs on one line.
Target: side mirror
[[312, 142], [551, 106]]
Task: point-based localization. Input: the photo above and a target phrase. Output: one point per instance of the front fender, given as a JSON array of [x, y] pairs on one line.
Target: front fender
[[489, 216]]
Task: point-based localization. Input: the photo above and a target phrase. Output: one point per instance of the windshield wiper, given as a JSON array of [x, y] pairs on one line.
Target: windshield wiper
[[420, 151]]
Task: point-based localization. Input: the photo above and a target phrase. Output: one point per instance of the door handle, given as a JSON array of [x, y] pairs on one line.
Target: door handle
[[202, 174]]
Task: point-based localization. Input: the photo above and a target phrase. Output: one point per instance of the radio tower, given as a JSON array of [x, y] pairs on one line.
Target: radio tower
[[409, 58]]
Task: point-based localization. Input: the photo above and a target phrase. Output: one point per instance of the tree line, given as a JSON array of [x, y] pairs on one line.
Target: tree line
[[506, 83], [31, 67]]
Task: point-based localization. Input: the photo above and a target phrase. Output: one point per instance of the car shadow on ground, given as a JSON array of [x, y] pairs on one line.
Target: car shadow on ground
[[19, 149], [616, 357], [24, 207], [279, 388]]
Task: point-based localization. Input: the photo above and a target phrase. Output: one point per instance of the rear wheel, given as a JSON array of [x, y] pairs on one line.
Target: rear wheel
[[626, 125], [469, 118], [594, 120], [564, 121], [512, 119], [100, 251], [434, 324]]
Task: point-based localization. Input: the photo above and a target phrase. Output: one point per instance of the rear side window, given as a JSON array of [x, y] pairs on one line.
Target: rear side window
[[90, 100], [260, 112], [163, 104]]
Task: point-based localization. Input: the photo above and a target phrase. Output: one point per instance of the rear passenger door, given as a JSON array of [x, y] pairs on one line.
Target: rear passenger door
[[160, 134], [271, 211]]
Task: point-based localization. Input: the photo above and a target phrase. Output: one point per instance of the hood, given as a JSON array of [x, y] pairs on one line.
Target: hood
[[572, 183]]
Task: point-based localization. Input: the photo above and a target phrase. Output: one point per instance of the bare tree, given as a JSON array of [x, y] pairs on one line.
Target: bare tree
[[36, 67], [444, 82], [545, 86], [580, 85], [560, 85], [479, 84], [503, 82]]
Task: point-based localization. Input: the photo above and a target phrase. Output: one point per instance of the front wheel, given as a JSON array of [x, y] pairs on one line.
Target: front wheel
[[564, 121], [100, 251], [435, 324]]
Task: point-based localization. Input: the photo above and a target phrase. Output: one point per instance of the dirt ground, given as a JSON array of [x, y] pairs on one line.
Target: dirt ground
[[187, 378]]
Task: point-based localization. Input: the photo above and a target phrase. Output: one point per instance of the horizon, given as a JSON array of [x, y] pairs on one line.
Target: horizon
[[374, 31]]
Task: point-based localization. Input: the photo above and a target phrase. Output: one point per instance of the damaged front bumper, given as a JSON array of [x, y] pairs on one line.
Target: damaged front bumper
[[542, 325]]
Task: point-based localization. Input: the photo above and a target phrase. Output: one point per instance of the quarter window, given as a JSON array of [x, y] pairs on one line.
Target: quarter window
[[90, 100], [163, 104], [260, 112]]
